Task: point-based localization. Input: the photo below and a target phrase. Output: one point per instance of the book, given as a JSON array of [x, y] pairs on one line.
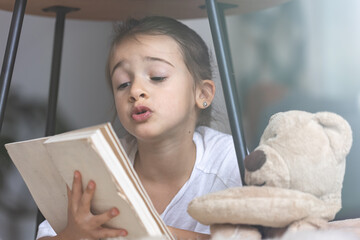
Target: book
[[47, 166]]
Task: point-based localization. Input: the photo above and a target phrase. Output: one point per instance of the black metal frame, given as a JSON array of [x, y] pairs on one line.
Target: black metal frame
[[218, 29], [9, 62], [54, 77], [10, 54], [55, 65]]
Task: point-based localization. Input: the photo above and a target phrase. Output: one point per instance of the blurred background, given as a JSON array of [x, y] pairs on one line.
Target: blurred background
[[301, 55]]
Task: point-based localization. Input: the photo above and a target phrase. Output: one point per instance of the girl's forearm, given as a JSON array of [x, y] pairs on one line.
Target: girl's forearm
[[49, 238], [184, 234], [60, 236], [177, 233]]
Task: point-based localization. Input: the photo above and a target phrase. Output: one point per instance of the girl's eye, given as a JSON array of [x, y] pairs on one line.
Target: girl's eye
[[158, 78], [123, 85]]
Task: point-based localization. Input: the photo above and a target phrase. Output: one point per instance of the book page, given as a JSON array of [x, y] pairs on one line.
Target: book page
[[109, 133], [81, 155], [45, 184]]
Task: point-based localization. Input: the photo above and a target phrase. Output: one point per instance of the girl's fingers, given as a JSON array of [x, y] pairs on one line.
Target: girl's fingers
[[110, 233], [80, 202], [68, 195], [68, 191], [106, 216], [87, 196], [76, 192]]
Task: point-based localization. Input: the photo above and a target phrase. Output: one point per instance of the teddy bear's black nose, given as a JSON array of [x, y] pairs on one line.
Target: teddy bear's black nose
[[254, 160]]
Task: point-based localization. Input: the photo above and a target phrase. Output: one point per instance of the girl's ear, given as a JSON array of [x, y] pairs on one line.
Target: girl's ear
[[205, 92]]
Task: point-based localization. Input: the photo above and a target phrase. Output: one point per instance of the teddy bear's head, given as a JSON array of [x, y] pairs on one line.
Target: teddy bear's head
[[302, 151], [294, 176]]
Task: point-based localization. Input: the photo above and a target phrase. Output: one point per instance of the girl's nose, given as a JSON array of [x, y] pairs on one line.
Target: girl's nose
[[137, 91]]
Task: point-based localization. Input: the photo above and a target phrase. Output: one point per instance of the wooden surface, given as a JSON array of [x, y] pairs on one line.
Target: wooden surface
[[111, 10]]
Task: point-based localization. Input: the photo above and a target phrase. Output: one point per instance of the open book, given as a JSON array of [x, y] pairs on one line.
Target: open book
[[47, 165]]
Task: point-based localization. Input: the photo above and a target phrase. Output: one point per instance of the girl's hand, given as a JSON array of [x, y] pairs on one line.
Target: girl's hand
[[82, 224]]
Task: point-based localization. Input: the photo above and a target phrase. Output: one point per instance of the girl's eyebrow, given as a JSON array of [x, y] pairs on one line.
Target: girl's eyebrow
[[117, 65], [147, 58]]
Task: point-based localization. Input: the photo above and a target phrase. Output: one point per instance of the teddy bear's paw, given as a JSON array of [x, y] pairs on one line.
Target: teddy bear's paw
[[350, 225], [308, 224], [320, 235], [250, 205], [234, 232]]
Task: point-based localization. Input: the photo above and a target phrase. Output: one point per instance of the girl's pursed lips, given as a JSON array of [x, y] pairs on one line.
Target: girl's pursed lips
[[140, 109], [141, 113]]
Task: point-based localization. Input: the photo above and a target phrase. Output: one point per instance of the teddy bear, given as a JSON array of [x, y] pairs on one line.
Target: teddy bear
[[293, 180]]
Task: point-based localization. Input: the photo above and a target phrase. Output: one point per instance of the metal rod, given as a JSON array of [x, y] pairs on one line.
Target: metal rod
[[55, 75], [10, 54], [217, 24], [55, 66]]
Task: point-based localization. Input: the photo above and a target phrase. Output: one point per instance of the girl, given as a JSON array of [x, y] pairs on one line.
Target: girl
[[160, 74]]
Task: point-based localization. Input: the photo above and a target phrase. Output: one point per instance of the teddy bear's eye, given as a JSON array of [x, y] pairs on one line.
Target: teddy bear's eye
[[274, 135]]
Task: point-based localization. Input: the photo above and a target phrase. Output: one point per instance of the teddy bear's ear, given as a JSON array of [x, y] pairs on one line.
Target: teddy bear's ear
[[338, 131]]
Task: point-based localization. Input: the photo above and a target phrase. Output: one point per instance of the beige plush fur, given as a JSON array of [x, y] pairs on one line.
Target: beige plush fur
[[305, 152], [234, 232], [266, 206], [294, 176]]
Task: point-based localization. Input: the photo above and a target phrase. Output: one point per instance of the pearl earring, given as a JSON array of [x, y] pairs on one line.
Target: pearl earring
[[205, 104]]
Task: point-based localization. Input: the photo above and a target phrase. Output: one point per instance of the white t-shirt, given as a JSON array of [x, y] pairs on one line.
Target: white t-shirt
[[215, 169]]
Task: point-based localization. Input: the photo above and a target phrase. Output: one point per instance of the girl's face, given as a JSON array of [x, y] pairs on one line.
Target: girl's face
[[155, 94]]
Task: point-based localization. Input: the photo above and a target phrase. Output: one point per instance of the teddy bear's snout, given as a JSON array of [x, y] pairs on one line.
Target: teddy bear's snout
[[255, 160]]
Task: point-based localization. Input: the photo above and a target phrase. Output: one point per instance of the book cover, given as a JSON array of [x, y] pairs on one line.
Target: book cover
[[47, 165]]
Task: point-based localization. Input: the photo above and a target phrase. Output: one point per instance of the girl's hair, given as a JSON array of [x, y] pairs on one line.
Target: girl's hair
[[193, 48]]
